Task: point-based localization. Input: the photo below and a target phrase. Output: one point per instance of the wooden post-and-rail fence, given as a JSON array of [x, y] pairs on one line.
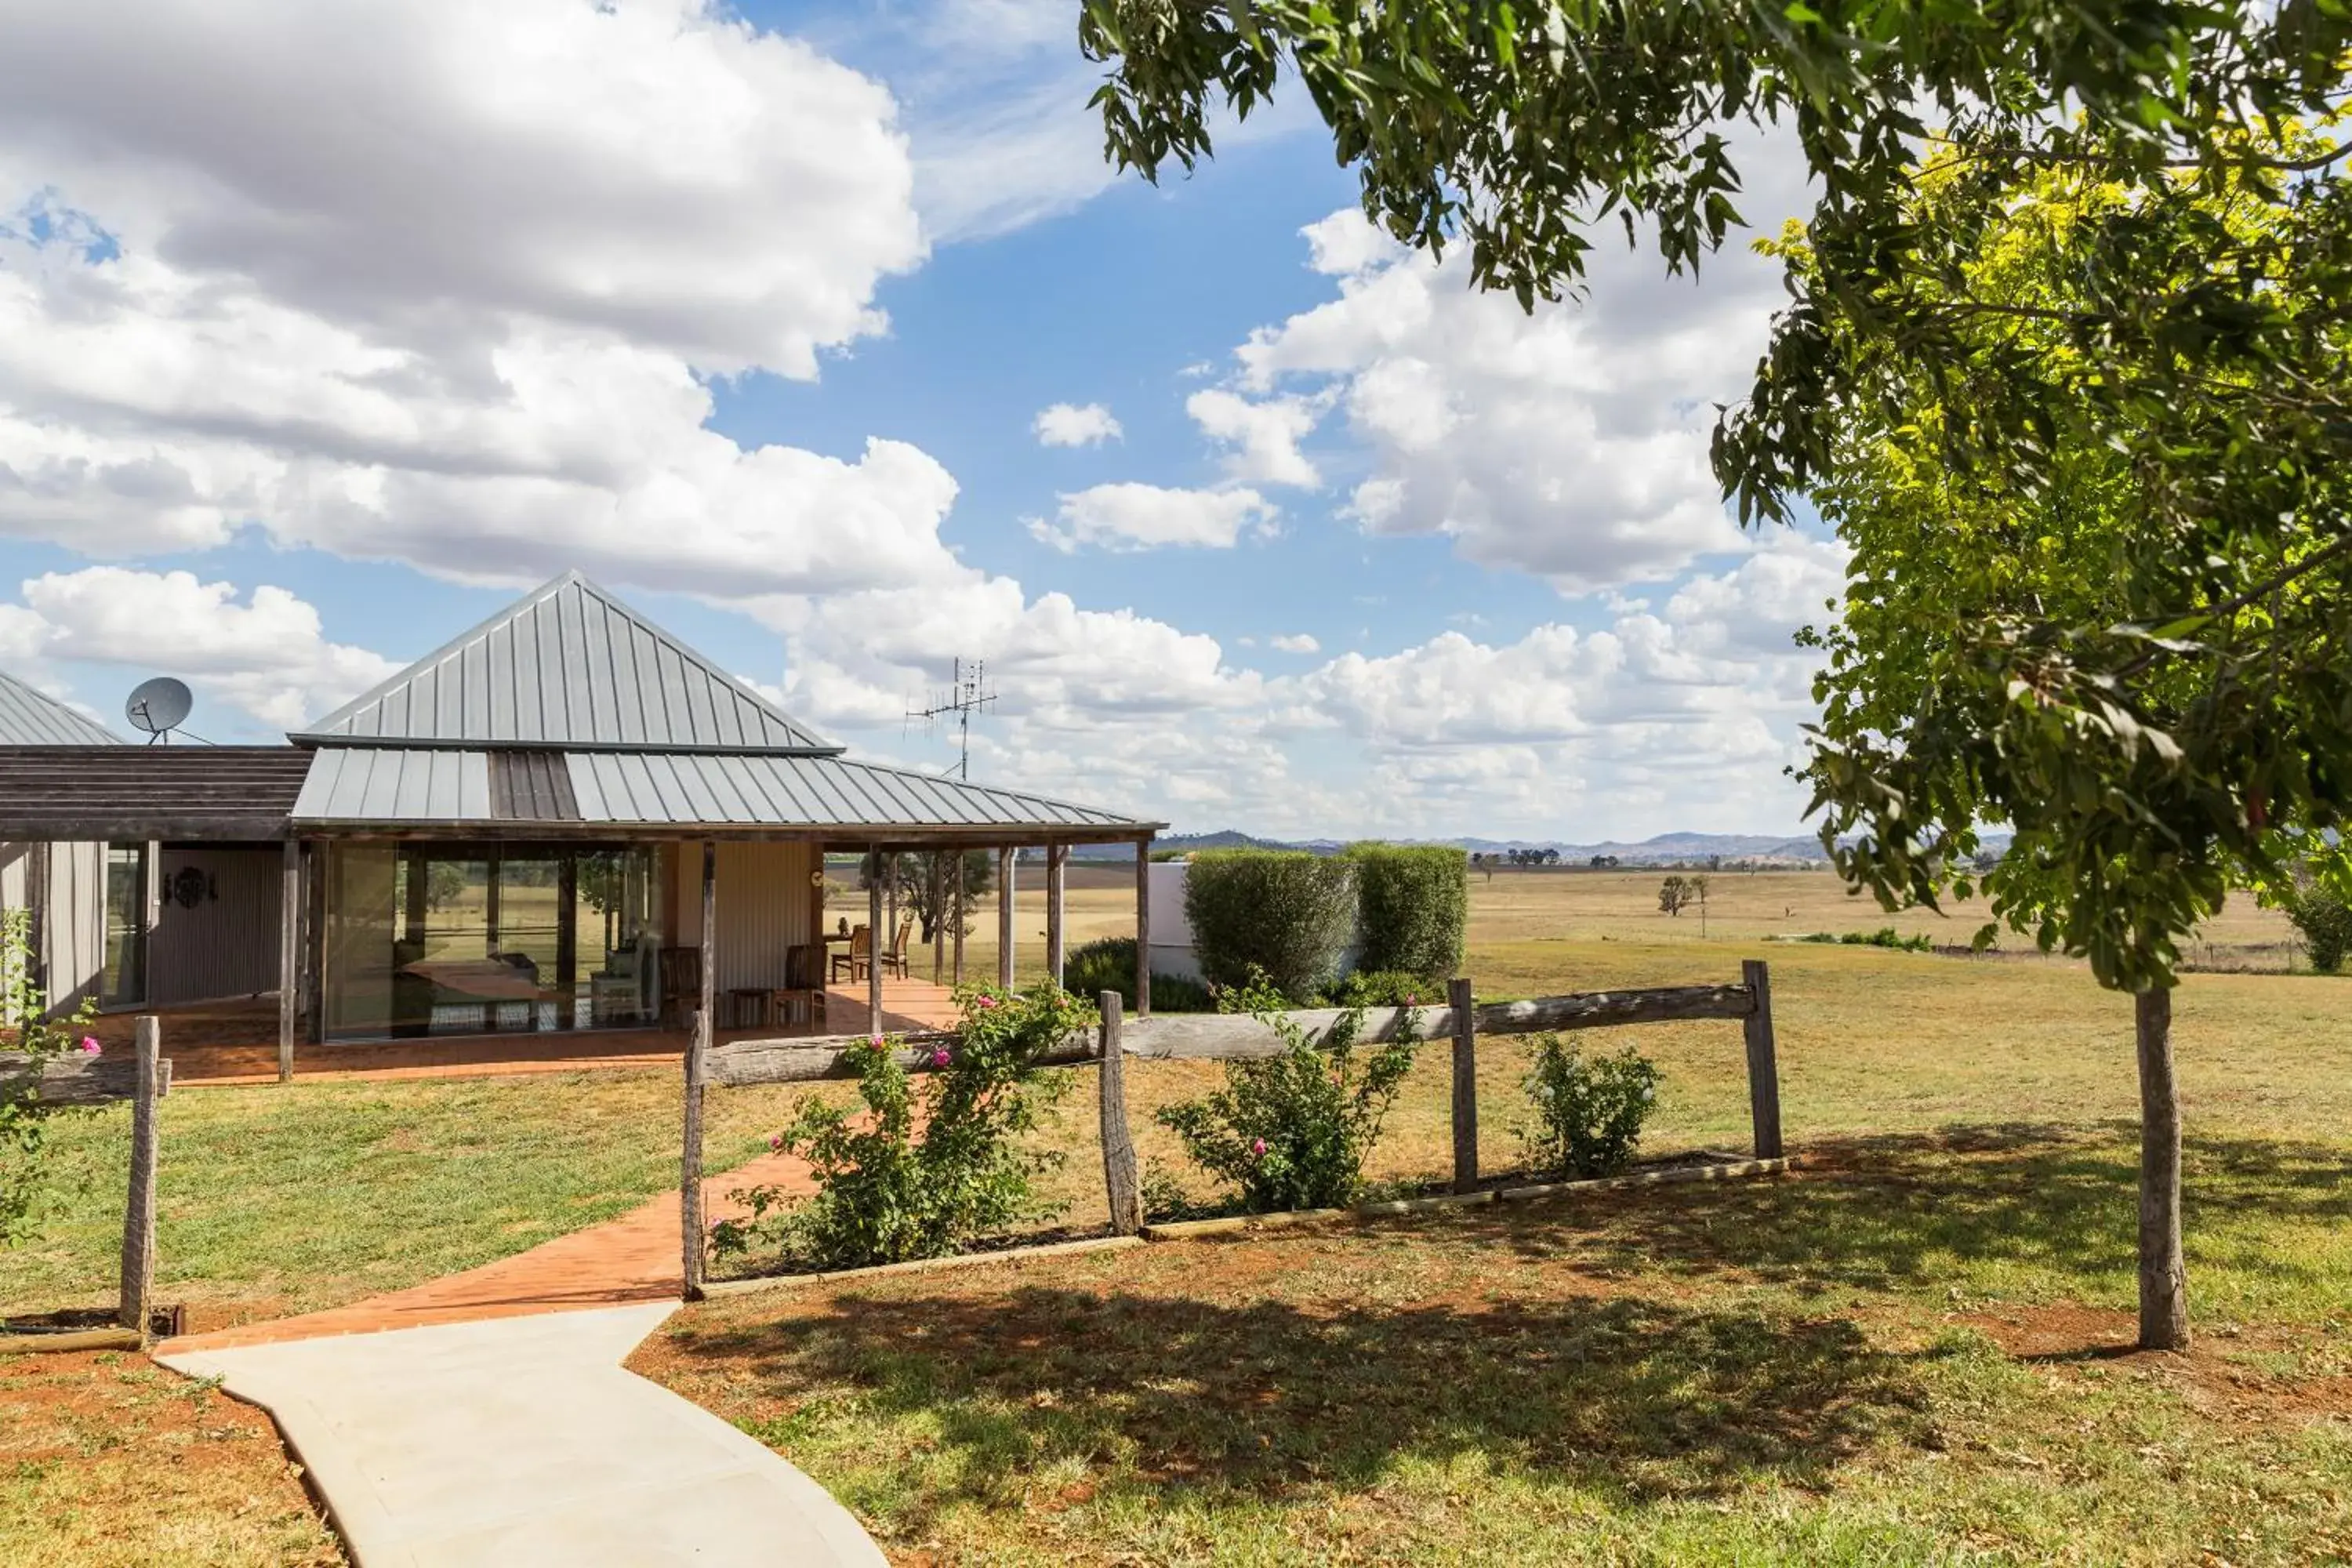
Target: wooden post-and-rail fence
[[1233, 1036], [143, 1077]]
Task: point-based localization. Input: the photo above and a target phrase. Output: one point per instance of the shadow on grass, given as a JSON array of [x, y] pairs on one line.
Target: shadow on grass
[[1885, 1213], [1638, 1398], [1614, 1342]]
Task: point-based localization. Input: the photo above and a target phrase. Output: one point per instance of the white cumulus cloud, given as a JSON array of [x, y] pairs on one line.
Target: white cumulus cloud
[[1151, 517], [1300, 642], [1076, 425]]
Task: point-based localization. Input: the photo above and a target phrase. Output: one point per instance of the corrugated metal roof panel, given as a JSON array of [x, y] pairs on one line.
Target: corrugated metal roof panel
[[350, 785], [728, 790], [568, 666], [29, 719]]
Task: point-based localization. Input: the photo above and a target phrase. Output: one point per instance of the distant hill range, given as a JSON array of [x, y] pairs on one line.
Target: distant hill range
[[1666, 850]]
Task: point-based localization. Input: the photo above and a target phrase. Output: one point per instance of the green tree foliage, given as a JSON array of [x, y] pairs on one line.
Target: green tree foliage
[[26, 1030], [921, 1172], [2324, 921], [912, 872], [1292, 1132], [2077, 394], [1285, 914], [1412, 905]]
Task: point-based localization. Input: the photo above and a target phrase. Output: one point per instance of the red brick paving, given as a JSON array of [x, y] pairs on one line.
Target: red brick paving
[[636, 1257]]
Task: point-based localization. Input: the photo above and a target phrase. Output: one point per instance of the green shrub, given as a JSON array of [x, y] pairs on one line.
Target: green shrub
[[2325, 922], [1885, 936], [1107, 964], [27, 1031], [921, 1174], [1412, 905], [1385, 988], [1283, 913], [1589, 1110], [1292, 1132]]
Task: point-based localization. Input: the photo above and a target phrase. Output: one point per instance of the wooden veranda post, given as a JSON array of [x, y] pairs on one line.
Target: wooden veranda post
[[36, 903], [1057, 857], [874, 941], [290, 956], [939, 920], [1763, 1068], [1465, 1087], [1122, 1188], [1143, 928], [139, 1215], [689, 1164], [1006, 860], [710, 950], [960, 917]]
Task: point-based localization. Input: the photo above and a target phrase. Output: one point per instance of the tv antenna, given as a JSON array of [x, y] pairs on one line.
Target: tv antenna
[[159, 707], [967, 694]]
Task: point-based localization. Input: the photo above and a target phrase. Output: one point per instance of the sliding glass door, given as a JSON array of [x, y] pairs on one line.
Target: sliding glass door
[[466, 939], [122, 980]]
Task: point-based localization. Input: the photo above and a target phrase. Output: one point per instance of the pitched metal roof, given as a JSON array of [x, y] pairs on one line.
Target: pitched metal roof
[[568, 666], [29, 719], [351, 785]]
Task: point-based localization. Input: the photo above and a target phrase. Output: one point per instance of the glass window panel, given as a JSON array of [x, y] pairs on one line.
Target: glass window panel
[[362, 901], [123, 980]]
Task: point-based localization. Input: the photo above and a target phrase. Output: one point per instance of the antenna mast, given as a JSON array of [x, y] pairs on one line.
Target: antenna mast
[[967, 694]]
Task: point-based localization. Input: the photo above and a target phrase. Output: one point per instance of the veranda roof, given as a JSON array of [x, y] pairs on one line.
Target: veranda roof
[[354, 788]]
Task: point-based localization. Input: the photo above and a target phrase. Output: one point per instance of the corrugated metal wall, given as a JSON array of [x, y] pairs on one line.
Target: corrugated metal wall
[[77, 922], [763, 908], [225, 942]]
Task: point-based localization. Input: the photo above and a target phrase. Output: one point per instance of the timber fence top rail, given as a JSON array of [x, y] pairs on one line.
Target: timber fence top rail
[[78, 1079], [1228, 1036]]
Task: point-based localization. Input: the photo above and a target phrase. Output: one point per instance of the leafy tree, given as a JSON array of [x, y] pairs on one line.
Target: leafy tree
[[2122, 633], [913, 872], [33, 1034], [1675, 893]]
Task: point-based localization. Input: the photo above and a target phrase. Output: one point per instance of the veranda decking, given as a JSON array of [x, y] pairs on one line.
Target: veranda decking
[[235, 1042]]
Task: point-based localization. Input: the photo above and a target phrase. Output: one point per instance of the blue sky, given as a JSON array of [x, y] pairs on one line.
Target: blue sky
[[753, 317]]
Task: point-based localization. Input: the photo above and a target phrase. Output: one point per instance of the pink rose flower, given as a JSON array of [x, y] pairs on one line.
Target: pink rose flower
[[984, 1002], [776, 1144], [89, 1046], [1257, 1145], [874, 1042], [941, 1058]]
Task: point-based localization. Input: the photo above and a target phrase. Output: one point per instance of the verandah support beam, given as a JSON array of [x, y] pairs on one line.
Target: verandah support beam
[[1007, 859], [939, 920], [960, 917], [290, 955], [1058, 858], [37, 901], [698, 1055], [874, 941], [1143, 928]]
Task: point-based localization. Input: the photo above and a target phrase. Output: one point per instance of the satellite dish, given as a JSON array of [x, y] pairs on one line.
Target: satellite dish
[[159, 706]]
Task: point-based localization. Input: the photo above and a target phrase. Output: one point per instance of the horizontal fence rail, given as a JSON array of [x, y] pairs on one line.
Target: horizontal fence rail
[[1226, 1037], [78, 1079]]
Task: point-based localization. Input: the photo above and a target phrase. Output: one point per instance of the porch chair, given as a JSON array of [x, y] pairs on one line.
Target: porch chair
[[894, 961], [858, 959], [681, 982]]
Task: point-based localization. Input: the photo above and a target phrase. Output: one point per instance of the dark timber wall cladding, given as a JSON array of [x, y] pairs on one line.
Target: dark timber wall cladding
[[216, 926]]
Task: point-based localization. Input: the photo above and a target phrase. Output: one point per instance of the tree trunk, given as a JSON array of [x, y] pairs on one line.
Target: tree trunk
[[2163, 1276]]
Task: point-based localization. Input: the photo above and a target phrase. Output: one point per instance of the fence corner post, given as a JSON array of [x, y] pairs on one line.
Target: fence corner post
[[1465, 1087], [136, 1308], [1121, 1184], [689, 1171], [1763, 1065]]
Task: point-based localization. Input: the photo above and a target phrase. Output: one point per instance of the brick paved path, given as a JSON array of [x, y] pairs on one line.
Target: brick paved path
[[635, 1257]]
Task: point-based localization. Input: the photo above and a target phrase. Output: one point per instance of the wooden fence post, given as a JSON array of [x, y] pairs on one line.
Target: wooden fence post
[[1121, 1186], [1465, 1087], [689, 1170], [1763, 1068], [138, 1214]]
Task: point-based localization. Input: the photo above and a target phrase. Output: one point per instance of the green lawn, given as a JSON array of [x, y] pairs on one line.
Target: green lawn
[[1903, 1357], [277, 1200]]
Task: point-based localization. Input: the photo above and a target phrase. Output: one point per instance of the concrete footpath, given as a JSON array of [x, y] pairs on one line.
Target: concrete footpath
[[522, 1441]]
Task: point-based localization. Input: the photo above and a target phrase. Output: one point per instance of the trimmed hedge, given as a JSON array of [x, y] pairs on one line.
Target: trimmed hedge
[[1287, 912], [1107, 964], [1412, 904]]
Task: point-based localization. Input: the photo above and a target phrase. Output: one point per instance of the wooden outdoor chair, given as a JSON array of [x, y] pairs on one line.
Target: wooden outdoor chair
[[858, 959], [894, 961], [681, 982]]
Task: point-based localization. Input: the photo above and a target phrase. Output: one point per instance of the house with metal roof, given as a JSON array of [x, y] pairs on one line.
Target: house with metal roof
[[563, 820], [61, 886]]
